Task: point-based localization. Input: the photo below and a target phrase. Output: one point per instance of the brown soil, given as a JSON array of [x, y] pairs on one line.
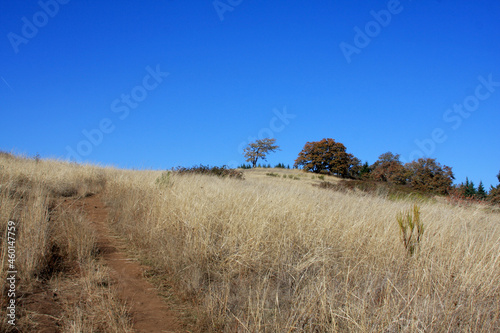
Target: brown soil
[[148, 311]]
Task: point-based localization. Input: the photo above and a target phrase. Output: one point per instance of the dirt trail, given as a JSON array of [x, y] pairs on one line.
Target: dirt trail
[[149, 312]]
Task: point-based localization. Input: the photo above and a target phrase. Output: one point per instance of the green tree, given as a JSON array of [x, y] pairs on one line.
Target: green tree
[[481, 193], [466, 185], [328, 156], [469, 188], [365, 170], [259, 150]]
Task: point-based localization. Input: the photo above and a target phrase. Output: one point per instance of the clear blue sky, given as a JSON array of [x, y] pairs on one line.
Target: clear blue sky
[[157, 84]]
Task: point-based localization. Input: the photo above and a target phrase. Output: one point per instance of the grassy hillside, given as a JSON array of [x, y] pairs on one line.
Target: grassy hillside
[[60, 283], [273, 253]]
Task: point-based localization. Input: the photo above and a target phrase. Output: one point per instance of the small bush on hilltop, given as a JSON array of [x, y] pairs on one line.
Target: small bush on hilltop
[[494, 194], [391, 191], [222, 171], [272, 174]]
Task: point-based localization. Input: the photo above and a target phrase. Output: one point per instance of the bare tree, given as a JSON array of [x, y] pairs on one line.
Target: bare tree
[[259, 149]]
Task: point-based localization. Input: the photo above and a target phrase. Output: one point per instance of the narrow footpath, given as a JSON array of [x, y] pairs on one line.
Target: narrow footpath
[[148, 311]]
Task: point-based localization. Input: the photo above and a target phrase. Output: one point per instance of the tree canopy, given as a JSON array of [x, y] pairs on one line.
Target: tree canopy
[[426, 174], [328, 156], [390, 169], [259, 149]]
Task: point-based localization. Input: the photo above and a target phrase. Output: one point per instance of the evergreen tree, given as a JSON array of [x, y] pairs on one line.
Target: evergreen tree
[[465, 187], [365, 170], [469, 188], [481, 193], [472, 189]]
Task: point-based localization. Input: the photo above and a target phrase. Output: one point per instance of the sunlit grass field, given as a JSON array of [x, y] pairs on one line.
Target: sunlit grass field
[[269, 254], [263, 254]]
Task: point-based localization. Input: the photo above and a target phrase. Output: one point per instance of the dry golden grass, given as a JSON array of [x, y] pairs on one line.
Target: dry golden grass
[[272, 255], [265, 254], [288, 175], [55, 249]]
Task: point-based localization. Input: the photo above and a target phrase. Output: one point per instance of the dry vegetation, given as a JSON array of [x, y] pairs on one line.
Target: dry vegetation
[[269, 254], [61, 284], [264, 254]]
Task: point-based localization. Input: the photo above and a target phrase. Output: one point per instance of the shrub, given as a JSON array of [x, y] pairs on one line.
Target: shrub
[[165, 180], [222, 171], [271, 174], [384, 189], [411, 228], [494, 195], [328, 185]]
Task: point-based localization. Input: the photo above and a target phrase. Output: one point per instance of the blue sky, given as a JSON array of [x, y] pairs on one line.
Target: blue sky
[[157, 84]]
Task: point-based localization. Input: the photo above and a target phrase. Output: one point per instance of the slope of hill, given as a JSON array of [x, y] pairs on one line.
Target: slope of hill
[[267, 253]]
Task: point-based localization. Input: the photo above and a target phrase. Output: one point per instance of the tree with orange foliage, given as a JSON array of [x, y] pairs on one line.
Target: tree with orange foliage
[[427, 175], [388, 168], [494, 194], [328, 156]]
